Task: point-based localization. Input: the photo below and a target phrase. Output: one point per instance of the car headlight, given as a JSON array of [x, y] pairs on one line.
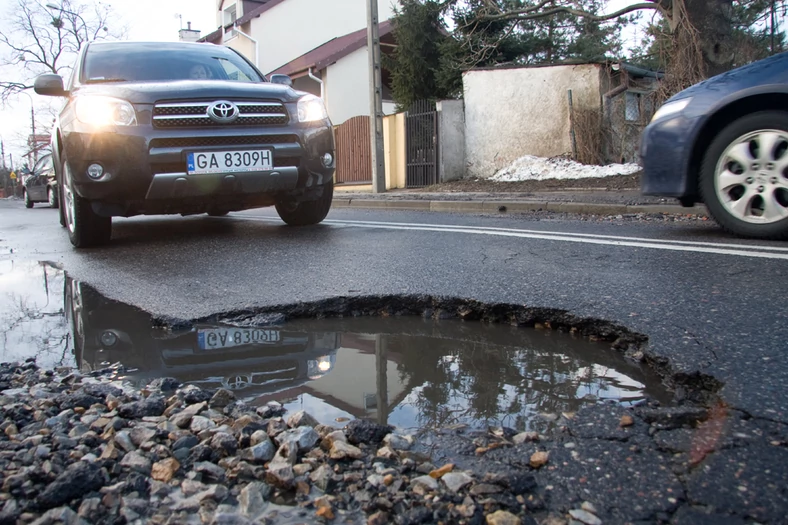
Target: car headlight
[[311, 109], [103, 111], [320, 366], [671, 108]]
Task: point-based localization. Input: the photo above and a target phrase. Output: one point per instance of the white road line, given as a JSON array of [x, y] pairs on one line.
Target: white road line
[[589, 235], [742, 250]]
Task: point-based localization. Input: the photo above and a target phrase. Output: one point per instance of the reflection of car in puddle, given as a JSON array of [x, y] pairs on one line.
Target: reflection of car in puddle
[[249, 360]]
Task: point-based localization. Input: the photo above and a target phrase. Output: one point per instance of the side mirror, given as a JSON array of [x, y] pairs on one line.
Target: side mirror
[[50, 85], [281, 79]]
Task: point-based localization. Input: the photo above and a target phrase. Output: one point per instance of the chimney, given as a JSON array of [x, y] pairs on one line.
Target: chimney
[[189, 34]]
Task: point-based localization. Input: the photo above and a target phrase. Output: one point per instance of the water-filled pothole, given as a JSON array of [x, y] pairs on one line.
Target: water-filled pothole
[[410, 372]]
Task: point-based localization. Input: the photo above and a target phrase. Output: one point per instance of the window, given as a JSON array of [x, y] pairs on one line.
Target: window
[[632, 109], [157, 62], [230, 15]]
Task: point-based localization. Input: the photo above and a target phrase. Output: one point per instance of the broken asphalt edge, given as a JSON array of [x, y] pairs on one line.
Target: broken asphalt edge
[[502, 206]]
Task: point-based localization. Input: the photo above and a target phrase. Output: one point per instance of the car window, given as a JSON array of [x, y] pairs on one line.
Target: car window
[[106, 63], [43, 165]]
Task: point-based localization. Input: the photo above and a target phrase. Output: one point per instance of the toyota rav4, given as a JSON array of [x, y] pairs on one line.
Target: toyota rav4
[[184, 128]]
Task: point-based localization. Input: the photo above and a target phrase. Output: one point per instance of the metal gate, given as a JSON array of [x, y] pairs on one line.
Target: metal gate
[[354, 154], [421, 144]]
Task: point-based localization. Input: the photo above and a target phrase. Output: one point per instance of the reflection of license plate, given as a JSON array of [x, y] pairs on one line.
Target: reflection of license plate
[[229, 161], [216, 338]]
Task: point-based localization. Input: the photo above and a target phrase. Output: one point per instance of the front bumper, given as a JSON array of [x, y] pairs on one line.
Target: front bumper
[[145, 167], [665, 150]]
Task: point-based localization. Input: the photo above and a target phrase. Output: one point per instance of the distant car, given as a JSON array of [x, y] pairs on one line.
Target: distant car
[[40, 184], [188, 128], [724, 142]]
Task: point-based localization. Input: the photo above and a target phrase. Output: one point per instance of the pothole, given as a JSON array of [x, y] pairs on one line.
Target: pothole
[[364, 359]]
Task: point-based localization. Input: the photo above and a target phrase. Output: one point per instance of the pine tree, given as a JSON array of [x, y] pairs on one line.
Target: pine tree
[[419, 61]]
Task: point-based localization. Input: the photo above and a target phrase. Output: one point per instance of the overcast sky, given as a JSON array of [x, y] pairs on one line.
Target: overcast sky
[[153, 20]]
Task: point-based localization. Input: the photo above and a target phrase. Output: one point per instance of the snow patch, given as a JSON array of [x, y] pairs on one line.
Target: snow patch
[[539, 168]]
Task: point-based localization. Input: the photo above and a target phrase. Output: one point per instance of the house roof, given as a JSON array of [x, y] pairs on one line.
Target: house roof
[[323, 56], [264, 6]]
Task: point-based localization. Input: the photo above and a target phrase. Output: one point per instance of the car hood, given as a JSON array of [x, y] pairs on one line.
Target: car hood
[[152, 92], [772, 70]]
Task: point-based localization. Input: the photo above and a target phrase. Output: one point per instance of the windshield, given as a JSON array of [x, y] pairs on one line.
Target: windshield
[[161, 62]]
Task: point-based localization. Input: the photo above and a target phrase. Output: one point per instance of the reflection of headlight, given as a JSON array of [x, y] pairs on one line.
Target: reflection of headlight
[[109, 338], [670, 108], [311, 109], [103, 111], [320, 366]]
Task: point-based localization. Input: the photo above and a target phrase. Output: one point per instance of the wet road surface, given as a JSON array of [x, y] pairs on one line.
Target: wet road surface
[[713, 308]]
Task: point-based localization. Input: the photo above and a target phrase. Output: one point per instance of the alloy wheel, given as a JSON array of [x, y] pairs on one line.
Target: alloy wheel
[[69, 200], [751, 177]]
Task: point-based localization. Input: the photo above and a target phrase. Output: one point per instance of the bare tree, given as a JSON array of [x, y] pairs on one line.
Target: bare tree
[[700, 29], [46, 37]]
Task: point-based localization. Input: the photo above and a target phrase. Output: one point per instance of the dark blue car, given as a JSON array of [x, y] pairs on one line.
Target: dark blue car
[[724, 142]]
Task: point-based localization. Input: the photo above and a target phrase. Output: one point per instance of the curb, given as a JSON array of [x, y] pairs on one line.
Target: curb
[[518, 207]]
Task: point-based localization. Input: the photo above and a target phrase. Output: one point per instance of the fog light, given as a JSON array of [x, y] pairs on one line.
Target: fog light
[[108, 338], [95, 171], [327, 159]]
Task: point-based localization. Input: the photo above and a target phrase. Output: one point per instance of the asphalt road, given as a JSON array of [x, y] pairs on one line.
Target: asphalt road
[[707, 302], [711, 305]]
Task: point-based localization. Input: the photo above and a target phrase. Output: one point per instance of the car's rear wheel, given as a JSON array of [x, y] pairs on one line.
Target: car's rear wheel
[[744, 176], [52, 197], [85, 227], [307, 212], [28, 202], [218, 213]]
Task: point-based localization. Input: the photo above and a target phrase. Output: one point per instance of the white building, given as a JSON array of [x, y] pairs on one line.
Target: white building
[[321, 44]]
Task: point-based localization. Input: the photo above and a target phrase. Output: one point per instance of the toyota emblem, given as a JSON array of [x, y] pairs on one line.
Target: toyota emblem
[[223, 111]]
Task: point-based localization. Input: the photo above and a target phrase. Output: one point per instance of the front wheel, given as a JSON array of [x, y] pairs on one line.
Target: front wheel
[[85, 227], [307, 212], [52, 197], [744, 176], [28, 202]]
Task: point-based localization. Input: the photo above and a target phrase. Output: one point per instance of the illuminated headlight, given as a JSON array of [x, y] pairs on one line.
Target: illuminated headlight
[[103, 111], [671, 108], [320, 366], [311, 109]]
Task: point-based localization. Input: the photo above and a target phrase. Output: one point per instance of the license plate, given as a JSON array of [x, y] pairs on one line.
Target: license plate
[[229, 161], [219, 338]]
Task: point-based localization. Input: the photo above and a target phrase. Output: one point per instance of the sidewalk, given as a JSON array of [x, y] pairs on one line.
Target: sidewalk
[[591, 201]]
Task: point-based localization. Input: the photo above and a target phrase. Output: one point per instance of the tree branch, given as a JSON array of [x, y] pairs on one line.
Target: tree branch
[[532, 13]]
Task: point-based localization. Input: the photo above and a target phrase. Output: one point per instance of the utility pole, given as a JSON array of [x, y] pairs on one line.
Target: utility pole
[[33, 144], [375, 99]]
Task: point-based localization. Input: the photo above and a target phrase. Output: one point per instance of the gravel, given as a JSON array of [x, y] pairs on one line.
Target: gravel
[[171, 454]]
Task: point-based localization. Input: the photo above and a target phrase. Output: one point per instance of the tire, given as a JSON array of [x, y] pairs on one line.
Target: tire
[[85, 227], [28, 203], [307, 212], [52, 198], [744, 176], [217, 213]]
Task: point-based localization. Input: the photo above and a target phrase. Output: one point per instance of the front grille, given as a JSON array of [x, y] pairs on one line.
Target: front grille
[[199, 142], [195, 114]]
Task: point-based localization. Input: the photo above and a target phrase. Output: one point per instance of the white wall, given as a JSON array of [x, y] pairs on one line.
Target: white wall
[[347, 88], [294, 27], [514, 112], [451, 141], [354, 375]]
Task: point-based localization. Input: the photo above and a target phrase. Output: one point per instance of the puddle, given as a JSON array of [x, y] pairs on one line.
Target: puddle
[[409, 372]]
